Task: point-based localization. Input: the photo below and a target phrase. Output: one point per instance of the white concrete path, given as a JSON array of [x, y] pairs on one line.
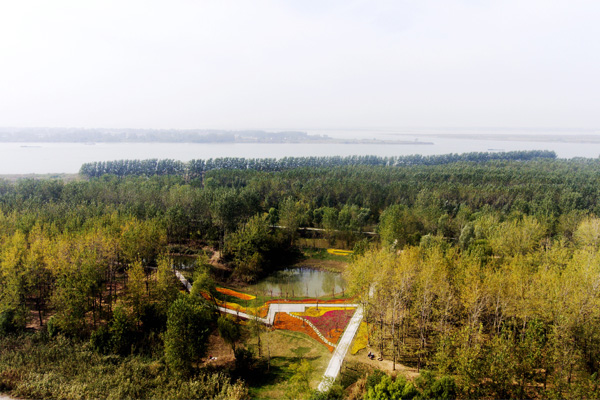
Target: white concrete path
[[335, 364], [275, 308], [185, 282], [243, 315]]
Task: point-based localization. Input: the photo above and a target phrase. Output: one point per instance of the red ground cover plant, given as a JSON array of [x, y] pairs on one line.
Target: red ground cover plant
[[287, 322], [332, 323]]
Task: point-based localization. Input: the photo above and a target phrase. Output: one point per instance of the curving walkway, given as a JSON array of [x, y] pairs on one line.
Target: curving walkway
[[335, 364]]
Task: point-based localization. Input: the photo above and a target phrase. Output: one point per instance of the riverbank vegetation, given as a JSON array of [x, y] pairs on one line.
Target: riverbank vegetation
[[482, 270]]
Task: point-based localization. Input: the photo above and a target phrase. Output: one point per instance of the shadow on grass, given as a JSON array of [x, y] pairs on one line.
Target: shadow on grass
[[278, 371]]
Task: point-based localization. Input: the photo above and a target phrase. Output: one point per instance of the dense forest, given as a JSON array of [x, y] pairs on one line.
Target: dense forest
[[195, 168], [484, 270]]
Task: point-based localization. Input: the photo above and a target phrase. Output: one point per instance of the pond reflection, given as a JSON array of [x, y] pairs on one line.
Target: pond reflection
[[290, 282], [184, 262], [301, 282]]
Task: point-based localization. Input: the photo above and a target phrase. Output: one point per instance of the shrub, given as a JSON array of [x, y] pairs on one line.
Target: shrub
[[52, 327], [244, 360], [100, 340], [9, 322], [442, 388], [374, 378], [187, 333], [229, 330], [335, 392], [299, 383], [394, 389], [121, 331]]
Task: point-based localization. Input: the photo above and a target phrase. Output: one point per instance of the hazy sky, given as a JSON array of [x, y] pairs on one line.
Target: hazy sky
[[300, 64]]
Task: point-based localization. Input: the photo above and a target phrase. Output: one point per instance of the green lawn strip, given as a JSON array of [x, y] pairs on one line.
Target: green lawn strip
[[233, 299], [287, 348], [322, 254]]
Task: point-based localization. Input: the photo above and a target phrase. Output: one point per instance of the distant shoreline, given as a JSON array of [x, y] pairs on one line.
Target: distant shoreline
[[59, 176], [241, 141], [553, 138], [195, 136]]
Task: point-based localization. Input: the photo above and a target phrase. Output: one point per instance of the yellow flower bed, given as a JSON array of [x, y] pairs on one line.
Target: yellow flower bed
[[258, 311], [233, 293], [339, 252], [232, 306], [361, 338], [313, 312]]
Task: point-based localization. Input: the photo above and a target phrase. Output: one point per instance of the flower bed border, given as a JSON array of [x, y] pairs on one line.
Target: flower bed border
[[233, 293], [323, 321], [285, 321]]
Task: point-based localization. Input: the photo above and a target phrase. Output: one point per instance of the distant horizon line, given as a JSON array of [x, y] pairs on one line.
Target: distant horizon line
[[494, 129]]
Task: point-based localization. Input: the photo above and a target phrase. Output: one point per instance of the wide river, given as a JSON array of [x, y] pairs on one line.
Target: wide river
[[43, 158]]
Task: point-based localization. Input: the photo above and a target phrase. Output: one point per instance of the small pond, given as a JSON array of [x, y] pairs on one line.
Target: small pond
[[184, 262], [290, 282], [300, 282]]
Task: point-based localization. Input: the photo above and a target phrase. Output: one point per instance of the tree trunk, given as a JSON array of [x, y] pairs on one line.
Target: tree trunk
[[381, 337], [39, 307], [256, 322], [393, 339]]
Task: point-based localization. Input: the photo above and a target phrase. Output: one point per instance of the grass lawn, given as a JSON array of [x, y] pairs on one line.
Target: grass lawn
[[287, 348], [322, 254], [321, 259]]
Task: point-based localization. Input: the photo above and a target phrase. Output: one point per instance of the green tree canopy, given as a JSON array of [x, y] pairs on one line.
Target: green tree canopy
[[186, 337]]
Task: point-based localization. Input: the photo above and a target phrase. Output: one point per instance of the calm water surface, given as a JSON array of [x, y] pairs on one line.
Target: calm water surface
[[300, 282], [290, 282], [42, 158]]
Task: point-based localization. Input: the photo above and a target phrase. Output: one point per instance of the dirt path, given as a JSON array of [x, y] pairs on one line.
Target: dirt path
[[215, 261], [384, 365]]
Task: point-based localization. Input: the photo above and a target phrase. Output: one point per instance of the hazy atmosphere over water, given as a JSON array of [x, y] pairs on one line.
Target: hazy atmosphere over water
[[300, 64]]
